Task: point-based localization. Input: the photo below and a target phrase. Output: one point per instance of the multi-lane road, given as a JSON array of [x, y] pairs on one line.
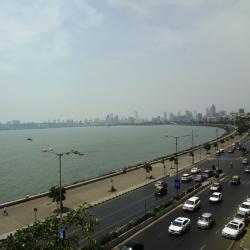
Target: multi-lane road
[[157, 237], [121, 210]]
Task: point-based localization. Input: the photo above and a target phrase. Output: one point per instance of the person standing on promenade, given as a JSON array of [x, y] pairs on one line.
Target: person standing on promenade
[[5, 213]]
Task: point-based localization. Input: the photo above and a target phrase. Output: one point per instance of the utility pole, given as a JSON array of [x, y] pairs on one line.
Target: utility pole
[[176, 161], [51, 150]]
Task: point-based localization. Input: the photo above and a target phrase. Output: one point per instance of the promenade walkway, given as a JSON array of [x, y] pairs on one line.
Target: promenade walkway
[[22, 214]]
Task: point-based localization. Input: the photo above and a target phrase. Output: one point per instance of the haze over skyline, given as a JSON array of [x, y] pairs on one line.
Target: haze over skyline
[[83, 59]]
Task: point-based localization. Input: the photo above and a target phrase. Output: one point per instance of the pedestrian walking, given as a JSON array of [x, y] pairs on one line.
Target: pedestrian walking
[[5, 213], [231, 165]]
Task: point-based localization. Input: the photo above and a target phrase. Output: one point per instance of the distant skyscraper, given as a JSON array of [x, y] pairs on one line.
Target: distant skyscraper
[[136, 115], [165, 116], [241, 111], [213, 110]]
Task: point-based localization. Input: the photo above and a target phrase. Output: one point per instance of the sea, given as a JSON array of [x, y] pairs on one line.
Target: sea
[[26, 170]]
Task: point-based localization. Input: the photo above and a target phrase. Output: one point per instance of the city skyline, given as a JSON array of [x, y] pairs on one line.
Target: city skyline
[[78, 59]]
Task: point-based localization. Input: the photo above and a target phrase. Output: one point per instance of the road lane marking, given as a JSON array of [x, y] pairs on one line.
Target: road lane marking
[[217, 231], [203, 247], [231, 245]]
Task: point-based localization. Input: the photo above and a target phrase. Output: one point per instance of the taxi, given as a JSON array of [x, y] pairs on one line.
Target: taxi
[[235, 179]]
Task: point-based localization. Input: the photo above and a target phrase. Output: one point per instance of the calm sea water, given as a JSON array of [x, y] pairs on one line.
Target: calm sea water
[[26, 170]]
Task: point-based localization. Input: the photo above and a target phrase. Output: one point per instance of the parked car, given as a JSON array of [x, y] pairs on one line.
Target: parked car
[[245, 207], [187, 177], [179, 225], [192, 204], [241, 216], [235, 180], [247, 169], [233, 229], [216, 186], [215, 197], [132, 246], [195, 170], [244, 161], [199, 178], [205, 220], [208, 173]]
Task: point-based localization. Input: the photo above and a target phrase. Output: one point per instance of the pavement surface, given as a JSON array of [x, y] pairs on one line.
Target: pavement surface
[[133, 184]]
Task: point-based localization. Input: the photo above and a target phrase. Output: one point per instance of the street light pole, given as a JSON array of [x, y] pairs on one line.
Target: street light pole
[[51, 150], [176, 157], [218, 162]]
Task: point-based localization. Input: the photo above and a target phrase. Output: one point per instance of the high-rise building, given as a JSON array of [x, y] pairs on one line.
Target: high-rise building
[[213, 110]]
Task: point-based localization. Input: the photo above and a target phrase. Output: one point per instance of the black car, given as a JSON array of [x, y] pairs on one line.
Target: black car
[[132, 246]]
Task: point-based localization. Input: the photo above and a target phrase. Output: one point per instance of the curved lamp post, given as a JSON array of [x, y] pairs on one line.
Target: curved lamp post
[[60, 154], [176, 155]]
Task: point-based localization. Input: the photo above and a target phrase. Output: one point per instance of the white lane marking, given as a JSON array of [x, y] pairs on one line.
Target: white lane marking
[[203, 247], [217, 231], [231, 245]]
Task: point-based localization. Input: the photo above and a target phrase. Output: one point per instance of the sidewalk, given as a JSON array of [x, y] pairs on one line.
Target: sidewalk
[[22, 214], [245, 242]]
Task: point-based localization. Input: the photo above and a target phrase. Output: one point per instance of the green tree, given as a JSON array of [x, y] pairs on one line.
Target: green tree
[[44, 235], [148, 168], [207, 146], [54, 193]]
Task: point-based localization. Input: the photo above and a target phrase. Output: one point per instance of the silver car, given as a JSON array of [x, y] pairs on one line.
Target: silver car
[[205, 220]]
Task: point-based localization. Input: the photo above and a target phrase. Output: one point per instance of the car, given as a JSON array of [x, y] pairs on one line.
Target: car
[[160, 190], [199, 178], [221, 150], [247, 169], [205, 220], [231, 151], [216, 186], [192, 204], [208, 173], [244, 161], [195, 170], [161, 183], [215, 197], [245, 207], [241, 216], [233, 229], [187, 177], [179, 225], [217, 152], [235, 179], [130, 245]]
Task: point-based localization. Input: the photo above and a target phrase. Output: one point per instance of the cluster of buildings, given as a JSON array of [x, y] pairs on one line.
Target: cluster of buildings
[[211, 116]]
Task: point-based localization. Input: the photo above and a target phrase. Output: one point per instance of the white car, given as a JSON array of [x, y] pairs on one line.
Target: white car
[[192, 204], [233, 229], [179, 225], [195, 170], [216, 186], [215, 197], [187, 177], [245, 207]]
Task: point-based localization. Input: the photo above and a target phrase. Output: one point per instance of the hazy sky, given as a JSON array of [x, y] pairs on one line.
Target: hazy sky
[[82, 59]]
